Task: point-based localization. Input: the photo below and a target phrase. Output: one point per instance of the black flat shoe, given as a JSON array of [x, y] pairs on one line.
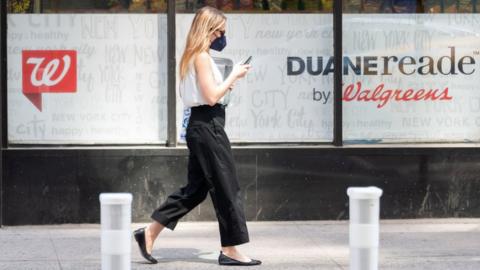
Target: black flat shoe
[[225, 260], [140, 237]]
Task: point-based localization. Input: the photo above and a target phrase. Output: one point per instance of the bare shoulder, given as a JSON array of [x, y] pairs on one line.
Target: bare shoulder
[[201, 60]]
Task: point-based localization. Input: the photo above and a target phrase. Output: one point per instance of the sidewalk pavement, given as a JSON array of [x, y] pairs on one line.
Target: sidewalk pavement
[[404, 244]]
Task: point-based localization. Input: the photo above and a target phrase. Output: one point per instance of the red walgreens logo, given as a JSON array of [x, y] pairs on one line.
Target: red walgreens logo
[[48, 71]]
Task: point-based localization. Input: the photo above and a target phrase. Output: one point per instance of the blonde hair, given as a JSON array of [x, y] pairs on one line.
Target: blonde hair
[[206, 21]]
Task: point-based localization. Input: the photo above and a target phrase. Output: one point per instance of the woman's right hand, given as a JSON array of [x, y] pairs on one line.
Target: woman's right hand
[[239, 70]]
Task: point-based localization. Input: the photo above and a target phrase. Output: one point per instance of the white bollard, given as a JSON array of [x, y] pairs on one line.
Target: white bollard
[[116, 218], [364, 227]]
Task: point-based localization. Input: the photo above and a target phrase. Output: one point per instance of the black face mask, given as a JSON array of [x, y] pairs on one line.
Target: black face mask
[[219, 43]]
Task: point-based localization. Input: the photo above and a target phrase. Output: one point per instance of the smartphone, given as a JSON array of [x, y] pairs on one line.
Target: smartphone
[[248, 60]]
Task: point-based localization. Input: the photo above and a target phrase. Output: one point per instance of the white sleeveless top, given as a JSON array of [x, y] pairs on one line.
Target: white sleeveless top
[[190, 89]]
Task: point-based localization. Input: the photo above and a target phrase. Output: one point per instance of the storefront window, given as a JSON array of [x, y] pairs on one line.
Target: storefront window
[[81, 77], [409, 70], [411, 77], [283, 98]]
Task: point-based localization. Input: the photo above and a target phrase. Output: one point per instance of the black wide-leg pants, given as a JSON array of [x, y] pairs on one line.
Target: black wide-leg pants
[[211, 169]]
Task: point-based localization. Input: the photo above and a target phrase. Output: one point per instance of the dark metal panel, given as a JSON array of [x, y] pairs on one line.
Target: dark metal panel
[[3, 99], [337, 87], [314, 186], [59, 186], [384, 150], [172, 62]]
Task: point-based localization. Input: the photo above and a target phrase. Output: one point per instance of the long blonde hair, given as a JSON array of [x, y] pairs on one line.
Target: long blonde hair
[[206, 22]]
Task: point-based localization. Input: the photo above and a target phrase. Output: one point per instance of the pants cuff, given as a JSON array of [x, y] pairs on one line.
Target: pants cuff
[[162, 219], [235, 240]]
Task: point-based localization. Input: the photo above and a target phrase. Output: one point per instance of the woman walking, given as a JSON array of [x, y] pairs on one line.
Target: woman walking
[[211, 167]]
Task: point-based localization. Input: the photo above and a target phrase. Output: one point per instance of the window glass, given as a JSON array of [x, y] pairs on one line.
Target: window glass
[[411, 76], [80, 77], [287, 95]]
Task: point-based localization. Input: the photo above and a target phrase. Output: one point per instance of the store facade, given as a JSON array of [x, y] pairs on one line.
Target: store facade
[[89, 105]]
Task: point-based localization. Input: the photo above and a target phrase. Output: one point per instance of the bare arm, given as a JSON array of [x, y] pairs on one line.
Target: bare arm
[[210, 90]]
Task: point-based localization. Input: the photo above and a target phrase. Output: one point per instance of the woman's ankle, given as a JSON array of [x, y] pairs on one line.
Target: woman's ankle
[[154, 229], [229, 250]]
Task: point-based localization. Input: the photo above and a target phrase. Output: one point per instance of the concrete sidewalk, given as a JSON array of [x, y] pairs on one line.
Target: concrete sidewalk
[[405, 244]]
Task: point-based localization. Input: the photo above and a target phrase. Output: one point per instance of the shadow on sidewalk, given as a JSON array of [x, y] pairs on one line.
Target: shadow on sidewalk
[[164, 255]]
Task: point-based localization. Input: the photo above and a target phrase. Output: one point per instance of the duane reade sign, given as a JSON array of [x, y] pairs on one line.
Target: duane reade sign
[[381, 65]]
